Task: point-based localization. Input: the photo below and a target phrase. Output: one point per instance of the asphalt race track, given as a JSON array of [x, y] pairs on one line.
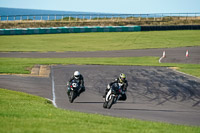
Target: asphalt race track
[[174, 55], [154, 93]]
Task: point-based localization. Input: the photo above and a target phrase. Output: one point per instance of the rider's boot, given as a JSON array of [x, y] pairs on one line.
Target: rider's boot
[[81, 90]]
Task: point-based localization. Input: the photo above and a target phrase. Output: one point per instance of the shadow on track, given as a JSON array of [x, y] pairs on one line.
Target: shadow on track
[[148, 110], [90, 102], [161, 86]]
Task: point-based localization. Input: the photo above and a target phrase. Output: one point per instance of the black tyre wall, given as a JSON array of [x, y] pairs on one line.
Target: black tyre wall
[[178, 27]]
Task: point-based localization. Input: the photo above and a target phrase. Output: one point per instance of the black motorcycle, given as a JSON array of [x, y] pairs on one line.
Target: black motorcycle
[[112, 96], [74, 90]]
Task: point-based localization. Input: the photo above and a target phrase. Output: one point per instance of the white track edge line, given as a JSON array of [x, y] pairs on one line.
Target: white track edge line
[[160, 59], [185, 74], [53, 88]]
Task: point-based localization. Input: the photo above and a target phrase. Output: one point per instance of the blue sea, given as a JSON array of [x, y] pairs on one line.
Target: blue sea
[[35, 14], [18, 11]]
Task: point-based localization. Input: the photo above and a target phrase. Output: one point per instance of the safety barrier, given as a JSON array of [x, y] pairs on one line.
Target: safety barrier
[[54, 30], [175, 27], [98, 17]]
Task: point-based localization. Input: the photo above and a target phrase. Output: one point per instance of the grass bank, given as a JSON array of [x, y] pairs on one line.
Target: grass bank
[[23, 65], [22, 113], [72, 21], [100, 41]]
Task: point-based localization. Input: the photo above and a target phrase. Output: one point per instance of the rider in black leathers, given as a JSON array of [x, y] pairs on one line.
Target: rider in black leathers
[[123, 81], [79, 77]]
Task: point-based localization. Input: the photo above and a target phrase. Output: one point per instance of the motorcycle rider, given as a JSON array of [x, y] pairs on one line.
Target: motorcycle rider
[[124, 84], [77, 76]]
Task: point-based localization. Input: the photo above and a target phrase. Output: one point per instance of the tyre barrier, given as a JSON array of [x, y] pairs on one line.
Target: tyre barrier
[[54, 30], [177, 27]]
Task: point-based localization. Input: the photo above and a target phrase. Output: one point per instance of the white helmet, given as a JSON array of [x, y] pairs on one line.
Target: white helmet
[[77, 74]]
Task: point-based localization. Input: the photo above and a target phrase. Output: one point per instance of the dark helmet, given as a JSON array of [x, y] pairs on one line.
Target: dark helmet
[[122, 78]]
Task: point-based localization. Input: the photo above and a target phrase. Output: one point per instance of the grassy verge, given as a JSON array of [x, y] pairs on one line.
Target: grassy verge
[[100, 41], [22, 113], [101, 22], [23, 65]]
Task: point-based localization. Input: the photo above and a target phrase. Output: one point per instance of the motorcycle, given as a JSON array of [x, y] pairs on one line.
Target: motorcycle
[[74, 90], [113, 95]]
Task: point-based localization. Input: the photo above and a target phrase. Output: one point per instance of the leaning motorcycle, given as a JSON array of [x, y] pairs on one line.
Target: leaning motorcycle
[[74, 90], [113, 95]]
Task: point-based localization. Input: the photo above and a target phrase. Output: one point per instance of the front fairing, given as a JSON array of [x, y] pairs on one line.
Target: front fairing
[[74, 86], [113, 93]]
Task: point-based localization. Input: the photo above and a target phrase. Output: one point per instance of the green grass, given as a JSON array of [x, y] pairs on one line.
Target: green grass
[[20, 112], [100, 41], [24, 113], [23, 65]]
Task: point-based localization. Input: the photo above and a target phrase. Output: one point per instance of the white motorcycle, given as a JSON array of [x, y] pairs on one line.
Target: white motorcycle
[[113, 95]]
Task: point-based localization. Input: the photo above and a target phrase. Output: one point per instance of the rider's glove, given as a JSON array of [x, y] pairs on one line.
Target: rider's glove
[[123, 92]]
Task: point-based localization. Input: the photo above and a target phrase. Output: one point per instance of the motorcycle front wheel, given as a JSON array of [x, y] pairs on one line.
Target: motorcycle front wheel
[[105, 104], [110, 102], [71, 96]]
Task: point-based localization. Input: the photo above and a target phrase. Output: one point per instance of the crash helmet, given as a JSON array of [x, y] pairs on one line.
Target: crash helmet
[[77, 74], [122, 78]]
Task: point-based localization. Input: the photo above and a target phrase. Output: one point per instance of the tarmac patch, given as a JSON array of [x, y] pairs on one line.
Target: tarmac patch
[[40, 70]]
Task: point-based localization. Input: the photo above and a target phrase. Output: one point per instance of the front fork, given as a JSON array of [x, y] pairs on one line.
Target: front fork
[[109, 95]]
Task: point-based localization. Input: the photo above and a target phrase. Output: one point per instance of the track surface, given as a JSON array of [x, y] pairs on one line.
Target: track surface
[[174, 55], [154, 93]]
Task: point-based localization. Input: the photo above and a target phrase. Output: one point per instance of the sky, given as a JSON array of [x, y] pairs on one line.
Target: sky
[[109, 6]]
